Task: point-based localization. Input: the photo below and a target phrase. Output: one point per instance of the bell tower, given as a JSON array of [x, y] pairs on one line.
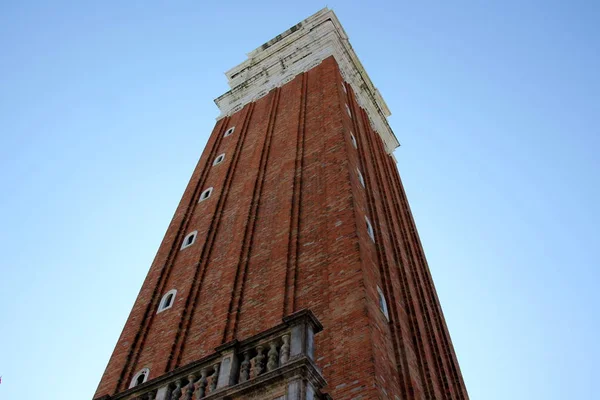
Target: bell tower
[[292, 268]]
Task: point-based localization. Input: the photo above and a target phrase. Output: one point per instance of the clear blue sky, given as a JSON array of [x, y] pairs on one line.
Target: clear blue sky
[[106, 106]]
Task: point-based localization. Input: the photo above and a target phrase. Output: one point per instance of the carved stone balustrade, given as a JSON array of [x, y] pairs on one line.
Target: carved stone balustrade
[[276, 364]]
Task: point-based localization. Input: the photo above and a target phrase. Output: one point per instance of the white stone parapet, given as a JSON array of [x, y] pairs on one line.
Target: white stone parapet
[[299, 49]]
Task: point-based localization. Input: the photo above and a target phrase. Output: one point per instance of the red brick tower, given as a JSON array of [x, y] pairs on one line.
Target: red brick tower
[[292, 268]]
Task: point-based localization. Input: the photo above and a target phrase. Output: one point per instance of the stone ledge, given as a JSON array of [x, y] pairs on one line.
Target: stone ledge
[[299, 49], [302, 368]]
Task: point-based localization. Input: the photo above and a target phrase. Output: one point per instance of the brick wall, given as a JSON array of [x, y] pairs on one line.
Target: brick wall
[[283, 230]]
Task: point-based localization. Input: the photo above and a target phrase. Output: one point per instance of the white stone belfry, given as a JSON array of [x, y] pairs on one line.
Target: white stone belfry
[[297, 50]]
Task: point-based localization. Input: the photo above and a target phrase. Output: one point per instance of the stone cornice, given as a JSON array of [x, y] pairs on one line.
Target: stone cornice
[[299, 49]]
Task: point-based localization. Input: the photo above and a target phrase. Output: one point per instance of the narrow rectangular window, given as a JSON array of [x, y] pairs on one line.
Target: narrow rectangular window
[[370, 229], [382, 303], [360, 177]]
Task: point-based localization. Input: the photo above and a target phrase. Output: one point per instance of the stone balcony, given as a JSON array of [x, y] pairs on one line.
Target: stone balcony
[[276, 364]]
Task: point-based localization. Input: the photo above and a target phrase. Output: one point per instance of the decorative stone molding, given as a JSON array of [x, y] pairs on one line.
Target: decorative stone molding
[[299, 49]]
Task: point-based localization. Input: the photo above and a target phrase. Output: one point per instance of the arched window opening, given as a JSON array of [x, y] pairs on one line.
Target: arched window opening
[[206, 194], [167, 300], [139, 378], [229, 131], [219, 159], [189, 240]]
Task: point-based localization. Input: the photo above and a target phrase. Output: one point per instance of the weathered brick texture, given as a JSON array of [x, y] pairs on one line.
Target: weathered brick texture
[[284, 230]]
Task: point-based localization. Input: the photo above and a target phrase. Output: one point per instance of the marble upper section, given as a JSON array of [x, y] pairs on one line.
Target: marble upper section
[[297, 50]]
